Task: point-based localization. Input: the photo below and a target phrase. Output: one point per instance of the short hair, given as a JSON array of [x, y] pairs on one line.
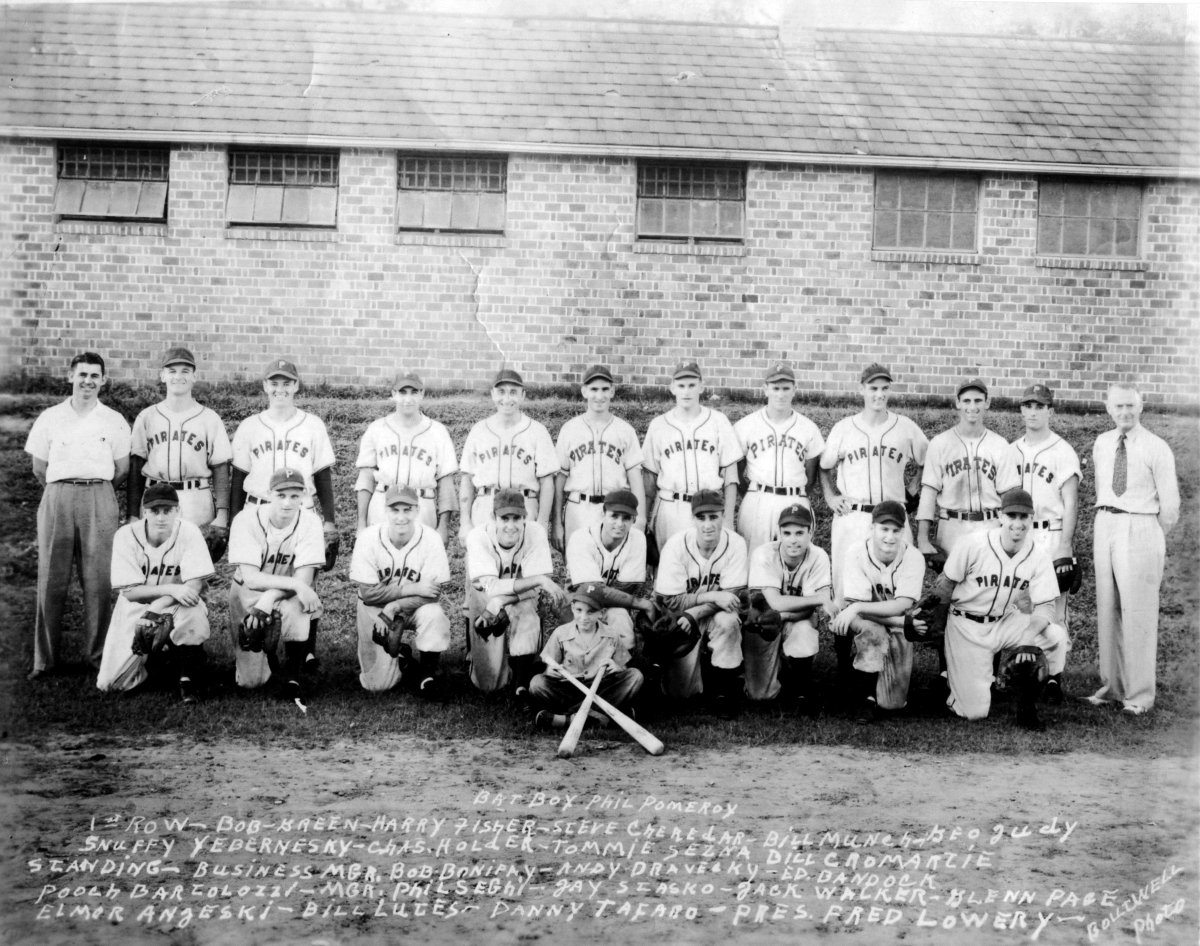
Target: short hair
[[87, 358], [1123, 386]]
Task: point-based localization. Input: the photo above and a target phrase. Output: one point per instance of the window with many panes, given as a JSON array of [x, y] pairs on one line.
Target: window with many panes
[[452, 192], [918, 211], [1088, 218], [691, 202], [283, 188], [108, 182]]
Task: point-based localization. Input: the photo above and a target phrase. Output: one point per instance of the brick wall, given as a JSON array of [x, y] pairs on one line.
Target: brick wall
[[568, 285]]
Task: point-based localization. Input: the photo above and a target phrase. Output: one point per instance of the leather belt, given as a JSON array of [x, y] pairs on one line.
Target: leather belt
[[977, 618], [778, 490], [969, 515], [81, 482], [255, 501], [490, 490], [427, 492], [180, 484], [584, 498], [862, 507], [667, 496], [1054, 525]]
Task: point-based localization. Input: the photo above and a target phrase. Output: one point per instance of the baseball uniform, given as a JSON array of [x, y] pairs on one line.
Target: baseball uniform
[[377, 561], [595, 463], [776, 454], [398, 456], [969, 476], [183, 557], [262, 445], [497, 457], [589, 561], [181, 449]]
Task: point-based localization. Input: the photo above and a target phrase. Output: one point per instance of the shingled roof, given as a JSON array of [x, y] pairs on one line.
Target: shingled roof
[[260, 74]]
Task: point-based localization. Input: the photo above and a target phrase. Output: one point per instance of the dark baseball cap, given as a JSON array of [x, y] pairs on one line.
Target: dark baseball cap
[[508, 376], [1017, 500], [178, 356], [597, 371], [686, 369], [889, 511], [976, 383], [621, 500], [1038, 394], [281, 368], [873, 371], [287, 478], [707, 500], [588, 594], [796, 514], [508, 500], [400, 496], [160, 494], [780, 371], [408, 379]]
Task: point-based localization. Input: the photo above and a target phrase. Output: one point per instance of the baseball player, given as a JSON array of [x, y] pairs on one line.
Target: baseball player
[[583, 647], [159, 566], [277, 549], [877, 455], [883, 579], [182, 444], [992, 580], [701, 572], [506, 451], [610, 555], [688, 449], [399, 567], [80, 451], [508, 567], [406, 448], [1049, 471], [597, 453], [794, 576], [782, 452]]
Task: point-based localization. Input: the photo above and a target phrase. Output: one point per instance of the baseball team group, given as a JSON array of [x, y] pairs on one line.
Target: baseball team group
[[689, 554]]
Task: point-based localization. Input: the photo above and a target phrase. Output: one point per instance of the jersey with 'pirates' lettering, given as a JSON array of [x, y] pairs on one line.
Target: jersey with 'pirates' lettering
[[377, 561], [275, 551], [501, 457], [969, 475], [418, 457], [683, 569], [597, 462], [866, 578], [262, 445], [179, 446], [688, 454], [588, 559], [988, 579], [1043, 468], [871, 460], [776, 452]]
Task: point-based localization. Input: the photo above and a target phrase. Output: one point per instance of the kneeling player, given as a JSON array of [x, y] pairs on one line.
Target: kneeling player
[[986, 579], [399, 566], [159, 565], [508, 566], [700, 573], [882, 580], [583, 648], [277, 549], [794, 577]]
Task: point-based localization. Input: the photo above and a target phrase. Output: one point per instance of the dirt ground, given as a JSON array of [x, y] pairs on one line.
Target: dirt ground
[[168, 841]]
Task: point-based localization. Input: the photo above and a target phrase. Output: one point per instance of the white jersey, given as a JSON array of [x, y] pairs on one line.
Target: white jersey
[[808, 577], [871, 461], [597, 462], [180, 446], [1042, 469], [181, 558], [377, 561], [776, 452], [987, 579], [515, 457], [588, 559], [402, 457], [261, 446], [688, 455], [969, 475], [254, 541], [682, 569], [486, 558], [866, 578]]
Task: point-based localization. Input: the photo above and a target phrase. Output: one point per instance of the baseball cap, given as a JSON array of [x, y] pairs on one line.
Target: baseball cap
[[178, 356], [508, 500], [1039, 394], [889, 511], [160, 494], [873, 371], [780, 371], [287, 478], [508, 376], [400, 495], [1016, 500], [621, 500], [796, 515], [588, 594], [281, 368], [408, 379], [976, 383], [597, 371], [707, 500], [686, 369]]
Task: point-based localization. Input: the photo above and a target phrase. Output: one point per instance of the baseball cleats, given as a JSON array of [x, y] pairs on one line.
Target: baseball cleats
[[548, 721], [1053, 692], [432, 689], [188, 691]]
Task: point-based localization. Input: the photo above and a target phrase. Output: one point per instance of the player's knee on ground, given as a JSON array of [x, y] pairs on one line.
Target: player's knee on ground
[[725, 640], [800, 639]]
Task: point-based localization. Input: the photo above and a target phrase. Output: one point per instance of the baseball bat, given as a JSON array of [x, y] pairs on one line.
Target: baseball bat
[[566, 748], [637, 732]]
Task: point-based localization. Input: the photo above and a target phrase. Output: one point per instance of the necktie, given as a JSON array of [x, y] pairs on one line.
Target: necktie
[[1120, 467]]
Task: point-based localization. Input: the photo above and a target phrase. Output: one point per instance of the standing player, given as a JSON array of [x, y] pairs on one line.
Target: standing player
[[794, 576], [782, 452], [159, 565], [701, 572], [277, 549], [80, 451], [184, 445], [406, 448], [1049, 471], [883, 579], [878, 456], [508, 567], [399, 567], [597, 453], [688, 449], [507, 451]]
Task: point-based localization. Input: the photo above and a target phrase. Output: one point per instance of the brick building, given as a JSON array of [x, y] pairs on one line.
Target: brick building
[[359, 189]]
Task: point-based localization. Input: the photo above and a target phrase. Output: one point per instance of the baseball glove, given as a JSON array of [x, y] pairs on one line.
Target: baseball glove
[[217, 540], [1023, 668], [1067, 571], [925, 622], [389, 631], [492, 625], [672, 636], [333, 544], [760, 618], [259, 631], [936, 561], [152, 631]]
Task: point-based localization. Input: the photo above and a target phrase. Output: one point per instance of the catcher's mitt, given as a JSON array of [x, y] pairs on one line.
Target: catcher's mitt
[[389, 631], [259, 631], [1023, 669], [217, 540], [492, 625], [925, 622], [333, 544], [673, 635], [1067, 571], [152, 631], [760, 618]]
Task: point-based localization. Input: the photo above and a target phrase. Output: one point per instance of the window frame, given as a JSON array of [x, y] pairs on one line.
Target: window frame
[[283, 203], [900, 215], [462, 200], [1056, 189], [116, 192], [703, 211]]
